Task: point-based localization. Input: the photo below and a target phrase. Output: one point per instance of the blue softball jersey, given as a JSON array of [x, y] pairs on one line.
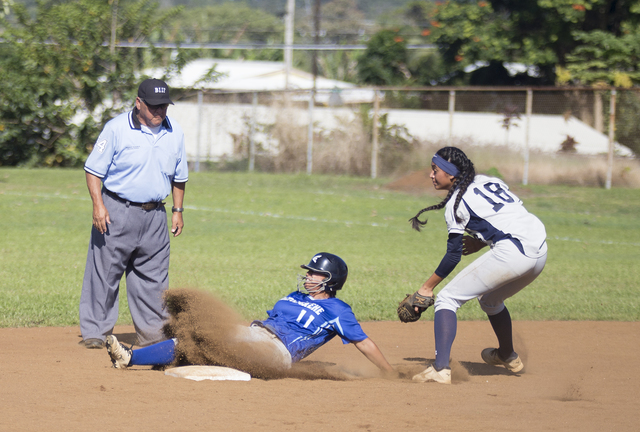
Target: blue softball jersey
[[304, 324], [134, 164]]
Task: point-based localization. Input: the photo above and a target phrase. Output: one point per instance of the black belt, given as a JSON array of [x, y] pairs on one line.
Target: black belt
[[144, 206]]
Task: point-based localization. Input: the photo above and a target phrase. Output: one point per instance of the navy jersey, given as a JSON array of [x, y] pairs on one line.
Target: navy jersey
[[491, 212], [304, 324]]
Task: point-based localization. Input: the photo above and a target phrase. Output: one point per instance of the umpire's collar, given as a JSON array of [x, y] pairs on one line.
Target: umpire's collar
[[134, 122]]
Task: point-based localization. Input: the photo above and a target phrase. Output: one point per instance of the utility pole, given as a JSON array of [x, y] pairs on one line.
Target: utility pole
[[312, 96], [288, 41], [316, 40], [112, 46]]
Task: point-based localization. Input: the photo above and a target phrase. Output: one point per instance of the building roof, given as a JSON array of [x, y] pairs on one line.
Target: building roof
[[245, 75]]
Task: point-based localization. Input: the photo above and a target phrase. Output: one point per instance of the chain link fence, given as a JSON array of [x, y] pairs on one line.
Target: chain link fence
[[392, 131]]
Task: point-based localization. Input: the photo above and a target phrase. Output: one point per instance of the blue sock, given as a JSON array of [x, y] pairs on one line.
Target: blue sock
[[445, 325], [501, 324], [161, 353]]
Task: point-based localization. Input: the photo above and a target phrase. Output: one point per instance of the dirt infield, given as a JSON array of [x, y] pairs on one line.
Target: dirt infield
[[579, 376]]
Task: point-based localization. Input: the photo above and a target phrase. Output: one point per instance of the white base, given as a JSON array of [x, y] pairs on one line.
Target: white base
[[215, 373]]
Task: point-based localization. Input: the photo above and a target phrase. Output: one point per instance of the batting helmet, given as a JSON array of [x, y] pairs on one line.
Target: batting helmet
[[330, 265]]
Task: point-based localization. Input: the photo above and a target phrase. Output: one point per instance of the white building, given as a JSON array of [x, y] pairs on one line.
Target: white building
[[247, 76], [546, 132]]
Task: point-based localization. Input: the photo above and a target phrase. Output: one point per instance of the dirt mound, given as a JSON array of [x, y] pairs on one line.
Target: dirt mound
[[417, 182]]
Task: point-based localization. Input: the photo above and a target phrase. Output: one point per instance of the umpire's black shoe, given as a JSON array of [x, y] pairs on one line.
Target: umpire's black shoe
[[92, 343]]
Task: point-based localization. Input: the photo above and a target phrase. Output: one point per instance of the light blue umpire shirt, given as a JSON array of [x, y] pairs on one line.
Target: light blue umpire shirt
[[135, 165]]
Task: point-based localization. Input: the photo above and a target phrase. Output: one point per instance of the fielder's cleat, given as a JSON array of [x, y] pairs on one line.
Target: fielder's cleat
[[120, 354], [430, 374], [513, 363]]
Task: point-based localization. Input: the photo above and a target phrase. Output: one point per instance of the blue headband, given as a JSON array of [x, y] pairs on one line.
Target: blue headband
[[445, 165]]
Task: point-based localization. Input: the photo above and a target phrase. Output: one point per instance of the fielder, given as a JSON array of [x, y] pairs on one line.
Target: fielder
[[485, 208], [298, 324]]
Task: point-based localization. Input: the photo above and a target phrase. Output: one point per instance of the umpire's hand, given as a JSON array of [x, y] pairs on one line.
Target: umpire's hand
[[101, 217], [176, 224]]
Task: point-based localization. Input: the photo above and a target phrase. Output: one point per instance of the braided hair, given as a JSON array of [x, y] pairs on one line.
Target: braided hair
[[462, 182]]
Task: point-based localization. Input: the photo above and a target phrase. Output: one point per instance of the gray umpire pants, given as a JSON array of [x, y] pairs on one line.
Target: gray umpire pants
[[136, 242]]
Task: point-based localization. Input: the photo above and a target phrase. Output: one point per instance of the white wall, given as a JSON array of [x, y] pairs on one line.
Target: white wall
[[221, 121]]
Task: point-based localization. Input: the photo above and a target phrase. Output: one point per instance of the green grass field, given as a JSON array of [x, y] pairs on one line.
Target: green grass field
[[247, 234]]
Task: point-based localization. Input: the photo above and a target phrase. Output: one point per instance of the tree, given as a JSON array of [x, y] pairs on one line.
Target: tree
[[230, 23], [604, 58], [542, 33], [5, 7], [59, 82], [384, 62], [474, 33], [341, 22], [627, 126]]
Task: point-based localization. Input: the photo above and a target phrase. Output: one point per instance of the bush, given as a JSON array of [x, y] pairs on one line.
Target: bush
[[627, 125]]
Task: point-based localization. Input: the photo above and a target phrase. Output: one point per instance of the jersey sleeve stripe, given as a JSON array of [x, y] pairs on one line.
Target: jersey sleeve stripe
[[95, 173]]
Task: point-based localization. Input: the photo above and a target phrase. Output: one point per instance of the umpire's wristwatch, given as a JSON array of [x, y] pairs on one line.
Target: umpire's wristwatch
[[177, 209]]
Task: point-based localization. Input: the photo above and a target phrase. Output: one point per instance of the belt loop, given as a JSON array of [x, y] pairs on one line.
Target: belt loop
[[128, 204]]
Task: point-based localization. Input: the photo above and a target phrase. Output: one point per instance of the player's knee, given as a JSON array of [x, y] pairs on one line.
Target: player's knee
[[444, 301], [491, 308]]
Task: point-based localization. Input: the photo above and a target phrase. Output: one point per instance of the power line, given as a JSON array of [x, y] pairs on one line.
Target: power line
[[256, 45], [246, 45]]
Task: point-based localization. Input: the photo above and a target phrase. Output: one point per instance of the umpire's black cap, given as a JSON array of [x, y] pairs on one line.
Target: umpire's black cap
[[154, 92]]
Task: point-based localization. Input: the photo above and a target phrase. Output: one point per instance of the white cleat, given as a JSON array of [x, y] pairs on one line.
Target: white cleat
[[491, 357], [430, 374], [120, 354]]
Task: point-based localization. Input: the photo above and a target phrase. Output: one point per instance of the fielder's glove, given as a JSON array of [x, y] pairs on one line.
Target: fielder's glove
[[406, 308]]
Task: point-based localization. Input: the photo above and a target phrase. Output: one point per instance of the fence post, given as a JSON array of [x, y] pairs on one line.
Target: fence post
[[612, 126], [598, 122], [199, 134], [312, 97], [288, 47], [452, 108], [374, 149], [252, 132], [527, 133]]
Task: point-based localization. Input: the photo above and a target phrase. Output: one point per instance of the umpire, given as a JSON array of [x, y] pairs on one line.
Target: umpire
[[137, 160]]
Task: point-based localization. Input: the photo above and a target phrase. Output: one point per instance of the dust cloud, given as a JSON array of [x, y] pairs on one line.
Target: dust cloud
[[205, 328]]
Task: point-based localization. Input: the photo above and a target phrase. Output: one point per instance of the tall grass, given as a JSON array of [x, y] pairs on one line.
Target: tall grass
[[346, 149], [247, 234], [556, 169]]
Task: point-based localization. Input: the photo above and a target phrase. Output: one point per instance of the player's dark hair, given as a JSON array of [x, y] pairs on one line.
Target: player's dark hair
[[462, 182]]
